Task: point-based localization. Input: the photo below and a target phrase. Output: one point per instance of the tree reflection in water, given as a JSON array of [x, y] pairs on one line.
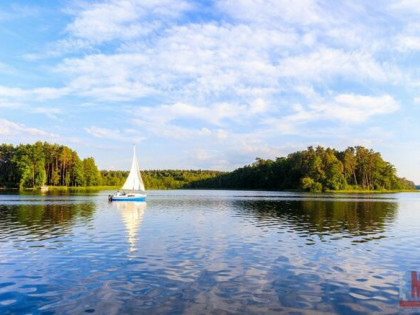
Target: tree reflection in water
[[324, 218], [42, 219]]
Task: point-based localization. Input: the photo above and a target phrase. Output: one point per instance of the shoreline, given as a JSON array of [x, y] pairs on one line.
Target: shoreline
[[62, 188], [366, 192]]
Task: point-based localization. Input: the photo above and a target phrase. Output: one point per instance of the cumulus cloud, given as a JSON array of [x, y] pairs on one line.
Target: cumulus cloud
[[347, 109], [358, 108]]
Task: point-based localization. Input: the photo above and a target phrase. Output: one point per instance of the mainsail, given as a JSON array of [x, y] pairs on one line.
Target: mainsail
[[134, 181]]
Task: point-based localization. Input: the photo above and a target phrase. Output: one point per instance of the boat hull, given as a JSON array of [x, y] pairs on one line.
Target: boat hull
[[127, 197]]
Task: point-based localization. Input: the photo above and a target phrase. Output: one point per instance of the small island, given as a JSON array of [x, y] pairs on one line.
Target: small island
[[356, 169]]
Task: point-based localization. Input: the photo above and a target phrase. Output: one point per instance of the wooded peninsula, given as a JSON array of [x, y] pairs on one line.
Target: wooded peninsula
[[315, 169]]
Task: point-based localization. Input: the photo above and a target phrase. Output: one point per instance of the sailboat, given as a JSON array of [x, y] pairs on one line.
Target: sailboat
[[133, 188]]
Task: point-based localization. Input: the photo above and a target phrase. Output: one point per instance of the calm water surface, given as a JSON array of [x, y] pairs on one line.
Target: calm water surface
[[206, 252]]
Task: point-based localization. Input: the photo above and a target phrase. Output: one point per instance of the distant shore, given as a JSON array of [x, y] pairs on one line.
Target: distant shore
[[93, 188], [63, 188]]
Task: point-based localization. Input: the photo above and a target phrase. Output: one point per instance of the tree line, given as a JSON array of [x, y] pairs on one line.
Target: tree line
[[315, 169], [42, 163], [160, 179]]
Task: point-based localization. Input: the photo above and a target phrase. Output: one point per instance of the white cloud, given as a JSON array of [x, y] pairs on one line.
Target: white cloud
[[186, 61], [103, 132], [50, 112], [113, 78], [198, 62], [128, 135], [4, 103], [168, 130], [56, 49], [9, 128], [353, 108], [35, 94], [214, 114], [303, 12], [232, 71], [408, 39], [122, 19], [408, 43], [325, 63], [407, 6], [346, 109]]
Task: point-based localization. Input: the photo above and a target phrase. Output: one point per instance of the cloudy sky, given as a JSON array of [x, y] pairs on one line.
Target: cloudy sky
[[212, 84]]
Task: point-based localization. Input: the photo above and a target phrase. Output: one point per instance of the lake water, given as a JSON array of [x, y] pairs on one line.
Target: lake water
[[206, 252]]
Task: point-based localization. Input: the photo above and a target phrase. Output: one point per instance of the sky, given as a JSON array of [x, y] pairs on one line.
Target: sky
[[212, 84]]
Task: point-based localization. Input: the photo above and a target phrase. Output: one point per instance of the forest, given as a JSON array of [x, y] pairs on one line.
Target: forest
[[160, 179], [315, 169], [42, 163]]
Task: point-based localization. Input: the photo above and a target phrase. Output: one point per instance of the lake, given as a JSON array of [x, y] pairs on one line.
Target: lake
[[206, 252]]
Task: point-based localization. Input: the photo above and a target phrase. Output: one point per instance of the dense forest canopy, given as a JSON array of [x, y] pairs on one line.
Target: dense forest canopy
[[315, 169], [42, 163], [160, 179]]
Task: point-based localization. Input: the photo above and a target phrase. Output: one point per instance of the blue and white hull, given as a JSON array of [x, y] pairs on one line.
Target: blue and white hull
[[127, 197]]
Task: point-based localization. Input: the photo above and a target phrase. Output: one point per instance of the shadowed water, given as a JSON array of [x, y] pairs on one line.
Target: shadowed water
[[206, 252]]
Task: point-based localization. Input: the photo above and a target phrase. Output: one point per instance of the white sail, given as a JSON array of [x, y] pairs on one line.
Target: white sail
[[134, 181]]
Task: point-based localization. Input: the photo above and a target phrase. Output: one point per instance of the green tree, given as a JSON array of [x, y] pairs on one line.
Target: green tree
[[22, 165], [91, 173], [78, 177]]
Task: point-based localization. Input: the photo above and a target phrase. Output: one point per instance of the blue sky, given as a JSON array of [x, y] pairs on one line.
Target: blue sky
[[212, 84]]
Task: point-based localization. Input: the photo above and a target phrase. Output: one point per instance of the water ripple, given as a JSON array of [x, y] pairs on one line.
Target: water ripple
[[206, 252]]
